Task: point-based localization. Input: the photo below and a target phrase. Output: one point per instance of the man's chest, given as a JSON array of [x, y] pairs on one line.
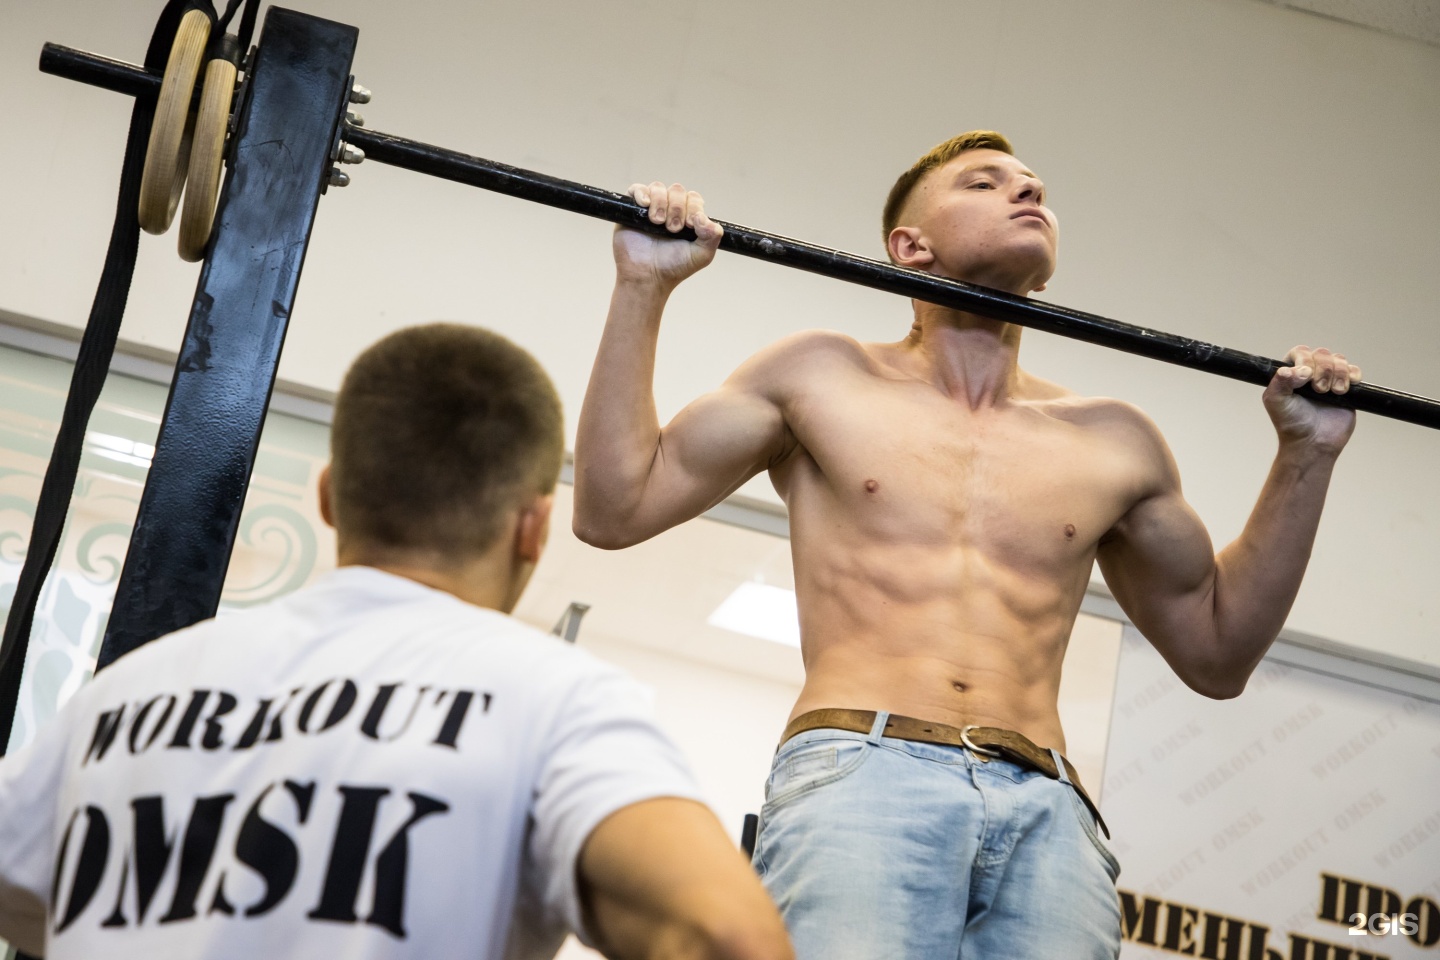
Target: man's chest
[[905, 462]]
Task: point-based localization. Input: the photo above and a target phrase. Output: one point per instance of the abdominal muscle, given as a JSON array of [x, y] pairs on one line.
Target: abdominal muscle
[[942, 551], [935, 631]]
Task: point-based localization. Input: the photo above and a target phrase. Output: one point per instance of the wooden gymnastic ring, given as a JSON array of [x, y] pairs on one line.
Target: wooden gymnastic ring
[[168, 153], [202, 185]]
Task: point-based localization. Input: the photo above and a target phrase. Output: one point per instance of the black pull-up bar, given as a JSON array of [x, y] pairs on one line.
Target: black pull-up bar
[[619, 208]]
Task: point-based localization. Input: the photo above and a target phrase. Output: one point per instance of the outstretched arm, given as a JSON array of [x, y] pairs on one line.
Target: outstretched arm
[[1214, 616], [632, 478], [661, 880]]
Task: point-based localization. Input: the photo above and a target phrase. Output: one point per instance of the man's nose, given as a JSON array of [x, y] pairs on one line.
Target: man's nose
[[1029, 189]]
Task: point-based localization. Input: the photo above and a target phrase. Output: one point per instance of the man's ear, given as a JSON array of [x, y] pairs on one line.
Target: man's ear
[[327, 510], [908, 248], [532, 531]]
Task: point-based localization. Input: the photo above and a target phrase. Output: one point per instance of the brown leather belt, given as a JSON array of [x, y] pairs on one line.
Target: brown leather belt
[[985, 742]]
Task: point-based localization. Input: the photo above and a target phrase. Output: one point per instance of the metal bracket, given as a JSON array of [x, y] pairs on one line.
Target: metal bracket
[[297, 89], [568, 626]]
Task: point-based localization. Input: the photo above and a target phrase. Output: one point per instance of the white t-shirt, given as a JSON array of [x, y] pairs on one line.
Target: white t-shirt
[[366, 768]]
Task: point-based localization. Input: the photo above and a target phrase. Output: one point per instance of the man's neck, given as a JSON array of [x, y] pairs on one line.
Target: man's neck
[[485, 581], [972, 359]]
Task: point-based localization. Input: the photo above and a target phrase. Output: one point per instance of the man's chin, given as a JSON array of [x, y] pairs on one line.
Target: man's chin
[[1028, 271]]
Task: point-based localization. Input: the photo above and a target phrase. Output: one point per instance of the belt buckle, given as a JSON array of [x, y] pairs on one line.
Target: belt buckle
[[984, 753]]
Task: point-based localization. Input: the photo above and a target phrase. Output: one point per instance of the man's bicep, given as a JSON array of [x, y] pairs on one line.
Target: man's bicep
[[713, 446], [1160, 566], [720, 440], [1158, 552], [1157, 558], [729, 435]]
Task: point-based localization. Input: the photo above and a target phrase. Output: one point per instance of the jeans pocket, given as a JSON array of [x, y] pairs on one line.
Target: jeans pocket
[[811, 766], [1087, 823]]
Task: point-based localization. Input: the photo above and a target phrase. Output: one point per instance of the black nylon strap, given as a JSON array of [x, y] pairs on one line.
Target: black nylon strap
[[230, 8], [93, 362], [231, 50], [247, 26]]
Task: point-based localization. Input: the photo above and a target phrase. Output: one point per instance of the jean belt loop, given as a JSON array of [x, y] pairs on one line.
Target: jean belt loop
[[1060, 766], [877, 729]]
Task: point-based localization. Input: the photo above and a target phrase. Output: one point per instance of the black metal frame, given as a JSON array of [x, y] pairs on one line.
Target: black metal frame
[[297, 88]]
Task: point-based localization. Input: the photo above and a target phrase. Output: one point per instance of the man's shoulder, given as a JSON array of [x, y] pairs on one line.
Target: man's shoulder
[[377, 622], [799, 352], [1118, 420], [1097, 411]]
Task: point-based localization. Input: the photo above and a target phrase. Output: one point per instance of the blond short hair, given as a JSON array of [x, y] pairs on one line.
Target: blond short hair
[[937, 157]]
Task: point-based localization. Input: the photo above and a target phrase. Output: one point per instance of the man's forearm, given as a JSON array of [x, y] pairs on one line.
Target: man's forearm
[[662, 881], [1258, 575], [619, 430]]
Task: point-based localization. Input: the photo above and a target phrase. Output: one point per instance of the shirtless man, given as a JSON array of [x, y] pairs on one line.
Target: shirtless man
[[946, 508]]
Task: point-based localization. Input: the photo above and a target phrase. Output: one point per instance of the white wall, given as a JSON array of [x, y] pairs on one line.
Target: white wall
[[1239, 809], [1225, 169]]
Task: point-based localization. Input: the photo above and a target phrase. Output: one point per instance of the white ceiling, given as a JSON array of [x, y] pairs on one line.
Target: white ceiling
[[1416, 19]]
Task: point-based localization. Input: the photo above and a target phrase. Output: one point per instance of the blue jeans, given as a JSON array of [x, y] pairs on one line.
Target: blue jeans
[[882, 849]]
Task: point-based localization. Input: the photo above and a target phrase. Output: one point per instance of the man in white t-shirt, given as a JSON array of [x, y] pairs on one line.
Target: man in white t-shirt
[[383, 764]]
